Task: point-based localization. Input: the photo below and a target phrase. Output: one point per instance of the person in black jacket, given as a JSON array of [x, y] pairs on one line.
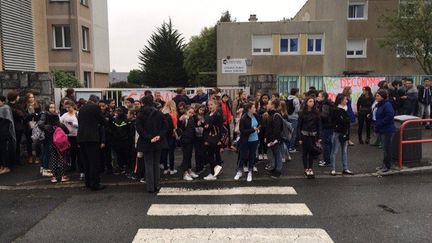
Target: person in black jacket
[[341, 136], [89, 119], [326, 108], [199, 139], [187, 125], [364, 110], [7, 136], [425, 100], [122, 139], [249, 129], [181, 97], [309, 128], [151, 127], [212, 139], [19, 115], [273, 136]]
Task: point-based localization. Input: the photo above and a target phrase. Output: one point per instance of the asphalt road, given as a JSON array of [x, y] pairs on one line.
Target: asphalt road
[[370, 209]]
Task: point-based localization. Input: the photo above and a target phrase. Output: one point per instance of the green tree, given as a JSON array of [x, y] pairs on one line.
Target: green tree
[[409, 31], [200, 58], [162, 59], [135, 77], [65, 80]]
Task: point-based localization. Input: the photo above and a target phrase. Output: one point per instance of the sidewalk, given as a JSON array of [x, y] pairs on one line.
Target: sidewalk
[[362, 160]]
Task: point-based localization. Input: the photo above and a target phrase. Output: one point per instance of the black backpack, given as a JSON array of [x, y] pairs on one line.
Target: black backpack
[[290, 106]]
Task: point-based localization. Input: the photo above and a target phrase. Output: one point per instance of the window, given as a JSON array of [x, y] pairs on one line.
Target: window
[[87, 79], [262, 44], [62, 37], [357, 10], [356, 48], [84, 2], [315, 44], [85, 39], [289, 45]]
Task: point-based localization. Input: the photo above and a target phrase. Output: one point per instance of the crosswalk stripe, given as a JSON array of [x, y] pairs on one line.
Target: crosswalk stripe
[[250, 235], [277, 209], [228, 191]]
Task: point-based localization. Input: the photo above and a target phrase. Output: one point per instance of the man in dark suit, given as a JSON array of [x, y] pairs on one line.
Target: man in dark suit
[[89, 119]]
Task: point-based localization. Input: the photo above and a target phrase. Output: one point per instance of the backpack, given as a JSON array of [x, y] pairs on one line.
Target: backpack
[[37, 134], [290, 105], [287, 129], [60, 140]]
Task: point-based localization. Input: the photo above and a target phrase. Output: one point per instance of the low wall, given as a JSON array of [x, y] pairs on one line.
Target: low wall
[[40, 84]]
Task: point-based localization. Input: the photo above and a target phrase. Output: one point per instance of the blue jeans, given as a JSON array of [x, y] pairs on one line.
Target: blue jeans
[[326, 137], [247, 153], [45, 154], [386, 140], [277, 156], [294, 124], [337, 142]]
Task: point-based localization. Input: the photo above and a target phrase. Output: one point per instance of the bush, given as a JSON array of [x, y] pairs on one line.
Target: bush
[[65, 80]]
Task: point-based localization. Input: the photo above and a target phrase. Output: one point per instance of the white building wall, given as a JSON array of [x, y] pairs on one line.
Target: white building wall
[[100, 36]]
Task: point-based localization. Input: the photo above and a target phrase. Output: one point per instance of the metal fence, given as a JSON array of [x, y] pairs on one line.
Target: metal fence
[[117, 94], [286, 83]]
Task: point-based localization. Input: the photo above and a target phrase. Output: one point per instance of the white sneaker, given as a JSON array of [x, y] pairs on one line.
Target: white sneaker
[[292, 150], [249, 177], [210, 177], [238, 175], [260, 157], [255, 169], [173, 172], [245, 169], [166, 172], [193, 175], [187, 177], [41, 170], [47, 173], [142, 180], [283, 160], [289, 158], [161, 166], [265, 157], [82, 176], [217, 170]]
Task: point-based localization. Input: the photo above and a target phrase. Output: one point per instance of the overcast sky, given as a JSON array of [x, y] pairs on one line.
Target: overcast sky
[[131, 22]]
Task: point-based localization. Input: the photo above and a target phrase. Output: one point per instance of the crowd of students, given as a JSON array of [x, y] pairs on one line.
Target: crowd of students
[[139, 138]]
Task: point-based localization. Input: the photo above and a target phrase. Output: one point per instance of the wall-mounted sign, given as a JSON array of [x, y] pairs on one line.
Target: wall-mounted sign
[[234, 66]]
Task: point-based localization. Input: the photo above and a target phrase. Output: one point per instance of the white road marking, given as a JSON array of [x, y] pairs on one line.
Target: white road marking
[[276, 209], [249, 235], [168, 191]]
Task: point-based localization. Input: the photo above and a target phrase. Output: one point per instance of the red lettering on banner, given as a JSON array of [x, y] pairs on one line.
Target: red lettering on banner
[[332, 96]]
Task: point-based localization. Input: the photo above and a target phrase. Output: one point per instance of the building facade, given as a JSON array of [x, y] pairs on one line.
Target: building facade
[[63, 35], [325, 38]]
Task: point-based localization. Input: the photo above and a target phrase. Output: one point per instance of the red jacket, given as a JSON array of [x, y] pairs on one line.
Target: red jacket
[[226, 112]]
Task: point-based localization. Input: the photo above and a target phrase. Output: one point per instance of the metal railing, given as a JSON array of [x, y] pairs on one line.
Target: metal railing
[[402, 142]]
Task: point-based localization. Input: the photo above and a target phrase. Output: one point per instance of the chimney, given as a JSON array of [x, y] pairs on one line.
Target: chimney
[[253, 18]]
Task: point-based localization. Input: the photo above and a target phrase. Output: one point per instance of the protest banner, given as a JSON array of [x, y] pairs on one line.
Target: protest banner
[[335, 85]]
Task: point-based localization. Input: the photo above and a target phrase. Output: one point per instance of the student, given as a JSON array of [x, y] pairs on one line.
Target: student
[[286, 144], [187, 124], [106, 151], [364, 109], [293, 104], [200, 97], [57, 164], [151, 127], [70, 120], [309, 128], [228, 118], [347, 91], [168, 154], [263, 120], [385, 128], [199, 119], [158, 98], [273, 136], [249, 129], [326, 108], [425, 100], [7, 136], [212, 139], [341, 134], [19, 115], [33, 112], [122, 140]]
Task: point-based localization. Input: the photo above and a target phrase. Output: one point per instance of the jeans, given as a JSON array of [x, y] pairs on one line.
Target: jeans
[[187, 149], [337, 142], [45, 154], [277, 157], [168, 154], [424, 109], [386, 139], [294, 124], [327, 137], [247, 153], [307, 157], [363, 119]]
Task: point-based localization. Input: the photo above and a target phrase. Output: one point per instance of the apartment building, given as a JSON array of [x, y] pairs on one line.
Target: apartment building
[[325, 38], [64, 35]]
